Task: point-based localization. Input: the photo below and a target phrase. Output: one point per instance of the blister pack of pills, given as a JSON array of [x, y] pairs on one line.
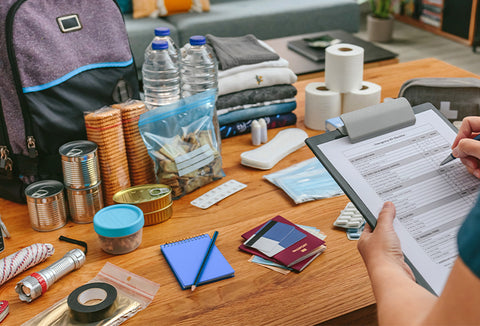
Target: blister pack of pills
[[217, 194], [352, 221]]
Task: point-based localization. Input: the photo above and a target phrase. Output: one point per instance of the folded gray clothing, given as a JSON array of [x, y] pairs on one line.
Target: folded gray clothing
[[255, 95], [237, 51]]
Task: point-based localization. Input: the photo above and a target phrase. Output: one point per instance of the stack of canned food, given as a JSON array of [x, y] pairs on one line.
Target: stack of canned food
[[81, 177], [155, 201]]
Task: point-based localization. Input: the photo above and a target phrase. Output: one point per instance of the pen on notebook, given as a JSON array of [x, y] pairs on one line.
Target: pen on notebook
[[451, 157], [205, 260]]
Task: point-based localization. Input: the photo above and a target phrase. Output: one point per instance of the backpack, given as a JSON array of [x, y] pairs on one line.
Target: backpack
[[58, 60]]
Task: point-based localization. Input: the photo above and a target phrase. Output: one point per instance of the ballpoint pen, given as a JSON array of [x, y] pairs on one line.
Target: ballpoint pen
[[205, 260], [451, 157]]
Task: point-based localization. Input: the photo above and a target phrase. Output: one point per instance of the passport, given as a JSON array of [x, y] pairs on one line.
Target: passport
[[296, 256], [274, 237]]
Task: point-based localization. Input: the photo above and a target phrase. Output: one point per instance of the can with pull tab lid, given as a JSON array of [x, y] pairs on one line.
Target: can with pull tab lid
[[80, 164], [46, 205]]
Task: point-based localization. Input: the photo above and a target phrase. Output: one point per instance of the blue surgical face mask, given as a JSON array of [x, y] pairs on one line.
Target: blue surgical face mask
[[306, 181]]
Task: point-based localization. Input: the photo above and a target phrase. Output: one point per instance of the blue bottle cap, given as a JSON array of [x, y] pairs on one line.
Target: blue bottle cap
[[162, 31], [159, 45], [118, 220], [197, 40]]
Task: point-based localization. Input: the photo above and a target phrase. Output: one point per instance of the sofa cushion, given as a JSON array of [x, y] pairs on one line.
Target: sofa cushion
[[154, 8], [125, 6], [268, 18]]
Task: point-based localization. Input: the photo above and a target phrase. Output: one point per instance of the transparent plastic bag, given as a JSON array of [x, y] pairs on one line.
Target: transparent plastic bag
[[104, 127], [134, 293], [305, 181], [181, 139]]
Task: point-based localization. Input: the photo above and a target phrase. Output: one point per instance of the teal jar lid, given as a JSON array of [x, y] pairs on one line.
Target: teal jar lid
[[118, 220]]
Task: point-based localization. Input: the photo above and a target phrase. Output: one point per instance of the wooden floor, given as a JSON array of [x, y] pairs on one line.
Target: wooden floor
[[412, 43]]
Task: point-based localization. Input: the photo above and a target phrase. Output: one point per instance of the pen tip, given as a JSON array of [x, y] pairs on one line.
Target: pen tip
[[445, 161]]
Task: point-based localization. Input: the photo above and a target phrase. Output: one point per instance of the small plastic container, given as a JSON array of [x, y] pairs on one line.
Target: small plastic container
[[119, 228]]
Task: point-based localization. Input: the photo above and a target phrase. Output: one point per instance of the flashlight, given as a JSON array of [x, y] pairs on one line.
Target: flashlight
[[33, 286]]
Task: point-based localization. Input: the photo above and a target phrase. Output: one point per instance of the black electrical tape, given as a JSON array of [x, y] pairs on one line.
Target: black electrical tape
[[92, 313]]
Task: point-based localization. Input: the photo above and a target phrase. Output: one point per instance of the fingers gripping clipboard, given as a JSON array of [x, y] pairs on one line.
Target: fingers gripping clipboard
[[392, 152]]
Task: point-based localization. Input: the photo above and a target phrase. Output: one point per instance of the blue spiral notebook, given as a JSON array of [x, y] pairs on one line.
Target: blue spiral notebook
[[186, 256]]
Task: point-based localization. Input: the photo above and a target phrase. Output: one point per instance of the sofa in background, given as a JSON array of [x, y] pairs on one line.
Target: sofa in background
[[266, 19]]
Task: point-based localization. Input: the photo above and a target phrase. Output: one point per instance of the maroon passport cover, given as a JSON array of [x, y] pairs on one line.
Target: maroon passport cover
[[299, 252]]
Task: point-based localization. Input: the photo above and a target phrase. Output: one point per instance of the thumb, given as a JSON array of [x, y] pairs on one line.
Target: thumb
[[386, 216]]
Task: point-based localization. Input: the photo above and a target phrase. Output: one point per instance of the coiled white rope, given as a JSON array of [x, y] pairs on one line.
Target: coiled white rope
[[23, 259]]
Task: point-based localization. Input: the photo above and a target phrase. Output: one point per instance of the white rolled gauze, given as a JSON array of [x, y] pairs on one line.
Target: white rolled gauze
[[369, 94], [344, 67], [321, 104]]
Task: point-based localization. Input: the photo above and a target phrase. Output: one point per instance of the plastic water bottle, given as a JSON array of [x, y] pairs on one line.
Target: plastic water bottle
[[199, 72], [161, 78], [163, 34]]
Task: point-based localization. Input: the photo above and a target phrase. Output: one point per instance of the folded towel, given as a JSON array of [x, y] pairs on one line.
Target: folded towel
[[243, 127], [255, 113], [256, 95], [254, 105], [236, 51], [255, 78]]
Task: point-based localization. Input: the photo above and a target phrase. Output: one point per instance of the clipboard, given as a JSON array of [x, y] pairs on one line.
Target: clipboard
[[366, 126]]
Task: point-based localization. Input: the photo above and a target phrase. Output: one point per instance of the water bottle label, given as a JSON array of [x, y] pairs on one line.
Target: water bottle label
[[194, 160]]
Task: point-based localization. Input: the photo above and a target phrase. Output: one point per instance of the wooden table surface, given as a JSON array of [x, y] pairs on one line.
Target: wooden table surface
[[334, 284]]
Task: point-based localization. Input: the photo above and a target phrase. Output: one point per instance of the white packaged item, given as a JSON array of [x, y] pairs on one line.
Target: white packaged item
[[256, 133], [349, 218], [217, 194], [265, 157], [263, 130]]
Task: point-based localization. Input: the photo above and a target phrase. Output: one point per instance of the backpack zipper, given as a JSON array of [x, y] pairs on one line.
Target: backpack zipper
[[30, 140], [6, 162]]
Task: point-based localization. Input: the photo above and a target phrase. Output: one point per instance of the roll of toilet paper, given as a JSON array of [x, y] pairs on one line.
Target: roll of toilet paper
[[344, 67], [321, 104], [368, 94]]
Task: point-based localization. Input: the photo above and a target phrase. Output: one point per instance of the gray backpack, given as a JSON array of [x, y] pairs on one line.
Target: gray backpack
[[58, 59], [455, 98]]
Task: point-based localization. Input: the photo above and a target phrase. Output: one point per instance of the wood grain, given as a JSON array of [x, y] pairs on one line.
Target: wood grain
[[334, 285]]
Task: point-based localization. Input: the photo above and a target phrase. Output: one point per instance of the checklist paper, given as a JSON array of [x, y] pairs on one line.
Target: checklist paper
[[431, 201]]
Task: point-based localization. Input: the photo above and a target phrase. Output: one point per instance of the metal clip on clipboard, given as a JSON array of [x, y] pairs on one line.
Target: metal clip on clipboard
[[377, 119]]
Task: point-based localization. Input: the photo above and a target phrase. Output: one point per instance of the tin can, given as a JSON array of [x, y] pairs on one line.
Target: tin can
[[158, 216], [150, 198], [84, 203], [46, 205], [80, 164]]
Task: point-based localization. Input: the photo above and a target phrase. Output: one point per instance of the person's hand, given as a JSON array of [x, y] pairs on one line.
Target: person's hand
[[382, 245], [467, 149]]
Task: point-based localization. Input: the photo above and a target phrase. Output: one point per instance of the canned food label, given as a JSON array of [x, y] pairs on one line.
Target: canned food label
[[194, 160]]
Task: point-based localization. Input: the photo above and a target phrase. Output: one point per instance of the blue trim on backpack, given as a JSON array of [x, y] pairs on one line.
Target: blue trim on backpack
[[76, 72]]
